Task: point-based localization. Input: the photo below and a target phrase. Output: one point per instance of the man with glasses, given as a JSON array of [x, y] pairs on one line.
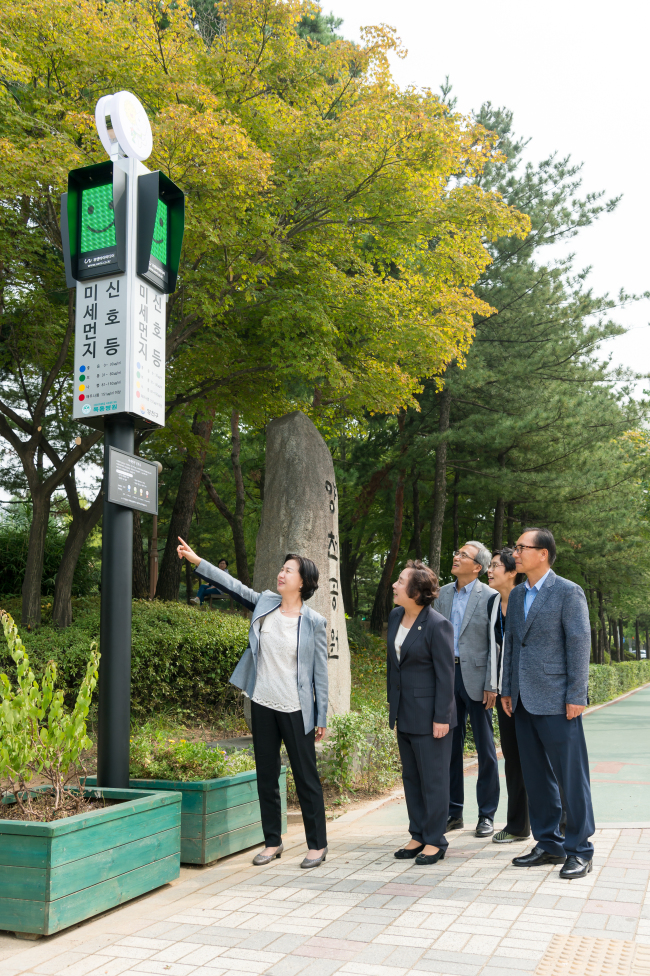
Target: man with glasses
[[545, 678], [464, 603]]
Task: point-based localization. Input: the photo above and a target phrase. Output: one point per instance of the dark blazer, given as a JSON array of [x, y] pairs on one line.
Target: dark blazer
[[546, 655], [420, 685]]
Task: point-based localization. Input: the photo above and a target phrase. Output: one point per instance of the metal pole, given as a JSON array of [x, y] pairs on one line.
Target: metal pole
[[153, 559], [114, 720]]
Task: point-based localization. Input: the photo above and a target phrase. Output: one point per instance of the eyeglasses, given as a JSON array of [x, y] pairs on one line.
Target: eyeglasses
[[465, 555], [519, 549]]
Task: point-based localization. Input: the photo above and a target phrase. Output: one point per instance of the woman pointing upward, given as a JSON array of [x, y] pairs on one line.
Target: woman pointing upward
[[284, 673]]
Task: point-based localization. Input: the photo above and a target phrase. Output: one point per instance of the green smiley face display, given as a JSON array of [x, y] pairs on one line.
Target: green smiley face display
[[159, 242], [97, 218]]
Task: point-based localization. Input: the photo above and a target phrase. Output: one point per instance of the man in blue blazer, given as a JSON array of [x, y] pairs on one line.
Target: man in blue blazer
[[545, 679]]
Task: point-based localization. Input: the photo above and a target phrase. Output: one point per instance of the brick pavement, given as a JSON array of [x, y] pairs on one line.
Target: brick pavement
[[361, 914]]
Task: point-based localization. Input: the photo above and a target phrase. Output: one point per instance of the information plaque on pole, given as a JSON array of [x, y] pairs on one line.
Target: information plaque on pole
[[132, 481]]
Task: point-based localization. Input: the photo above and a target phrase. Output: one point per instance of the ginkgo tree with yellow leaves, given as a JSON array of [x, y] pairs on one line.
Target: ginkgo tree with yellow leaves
[[334, 224]]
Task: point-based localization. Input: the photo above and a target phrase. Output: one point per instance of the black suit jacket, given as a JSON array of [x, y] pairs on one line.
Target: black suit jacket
[[421, 684]]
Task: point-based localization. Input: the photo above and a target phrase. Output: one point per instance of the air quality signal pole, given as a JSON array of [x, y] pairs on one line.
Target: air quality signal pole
[[122, 229]]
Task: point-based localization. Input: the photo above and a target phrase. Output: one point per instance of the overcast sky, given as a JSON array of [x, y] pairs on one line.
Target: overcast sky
[[576, 75]]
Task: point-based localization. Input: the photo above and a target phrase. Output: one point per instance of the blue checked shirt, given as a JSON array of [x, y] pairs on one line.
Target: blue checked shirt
[[458, 608]]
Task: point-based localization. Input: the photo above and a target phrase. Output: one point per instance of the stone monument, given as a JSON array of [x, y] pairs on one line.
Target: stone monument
[[300, 514]]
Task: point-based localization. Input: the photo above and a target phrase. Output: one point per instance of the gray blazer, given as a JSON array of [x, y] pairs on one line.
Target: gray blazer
[[474, 640], [312, 645], [546, 655]]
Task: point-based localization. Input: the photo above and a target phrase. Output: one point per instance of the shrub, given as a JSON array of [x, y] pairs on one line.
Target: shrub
[[360, 751], [37, 735], [155, 756], [181, 658], [607, 681]]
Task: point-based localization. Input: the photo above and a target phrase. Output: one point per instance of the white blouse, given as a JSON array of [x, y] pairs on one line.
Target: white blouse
[[277, 663], [399, 639]]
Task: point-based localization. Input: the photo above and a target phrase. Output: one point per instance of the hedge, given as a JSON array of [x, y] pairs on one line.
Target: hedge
[[182, 658], [607, 681]]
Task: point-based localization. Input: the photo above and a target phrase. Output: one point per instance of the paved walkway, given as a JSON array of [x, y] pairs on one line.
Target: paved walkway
[[365, 914]]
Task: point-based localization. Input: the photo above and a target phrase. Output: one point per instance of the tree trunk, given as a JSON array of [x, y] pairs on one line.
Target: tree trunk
[[497, 532], [377, 616], [241, 556], [31, 589], [83, 522], [140, 574], [638, 643], [603, 625], [594, 646], [417, 528], [188, 583], [614, 628], [511, 524], [347, 576], [440, 484], [621, 641], [647, 646], [169, 578], [455, 512], [234, 519]]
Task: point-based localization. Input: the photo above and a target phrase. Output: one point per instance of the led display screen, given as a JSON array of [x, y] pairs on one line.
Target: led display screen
[[97, 218], [161, 220], [96, 221], [160, 231]]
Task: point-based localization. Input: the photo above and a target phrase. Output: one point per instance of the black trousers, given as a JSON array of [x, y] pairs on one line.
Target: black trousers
[[487, 786], [425, 765], [270, 730], [556, 770], [518, 822]]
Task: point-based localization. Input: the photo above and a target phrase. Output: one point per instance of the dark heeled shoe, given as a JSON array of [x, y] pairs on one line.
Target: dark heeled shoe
[[261, 859], [430, 858], [404, 853]]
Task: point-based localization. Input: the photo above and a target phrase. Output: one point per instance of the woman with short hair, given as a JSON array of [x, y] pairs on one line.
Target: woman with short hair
[[284, 673], [503, 577], [420, 679]]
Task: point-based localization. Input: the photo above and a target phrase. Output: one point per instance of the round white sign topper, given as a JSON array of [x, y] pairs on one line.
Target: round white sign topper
[[129, 130]]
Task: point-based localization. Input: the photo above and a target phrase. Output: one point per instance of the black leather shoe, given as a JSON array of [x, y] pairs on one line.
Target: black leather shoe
[[455, 823], [536, 858], [575, 867], [430, 858], [405, 853], [484, 827]]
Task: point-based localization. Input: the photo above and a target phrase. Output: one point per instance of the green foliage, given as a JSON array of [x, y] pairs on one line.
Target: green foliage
[[368, 667], [609, 681], [182, 659], [319, 28], [37, 735], [155, 756], [361, 750], [14, 540]]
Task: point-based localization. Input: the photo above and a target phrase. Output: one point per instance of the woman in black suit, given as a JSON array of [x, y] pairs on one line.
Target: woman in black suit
[[420, 667]]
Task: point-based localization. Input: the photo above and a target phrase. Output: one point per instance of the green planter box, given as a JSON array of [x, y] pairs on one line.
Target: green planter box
[[53, 875], [218, 816]]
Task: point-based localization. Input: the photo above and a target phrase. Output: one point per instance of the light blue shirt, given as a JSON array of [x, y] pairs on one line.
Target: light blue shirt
[[458, 608], [532, 591]]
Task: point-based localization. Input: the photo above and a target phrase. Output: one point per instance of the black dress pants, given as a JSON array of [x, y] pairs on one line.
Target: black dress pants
[[270, 730], [425, 773], [556, 770], [487, 786], [518, 822]]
